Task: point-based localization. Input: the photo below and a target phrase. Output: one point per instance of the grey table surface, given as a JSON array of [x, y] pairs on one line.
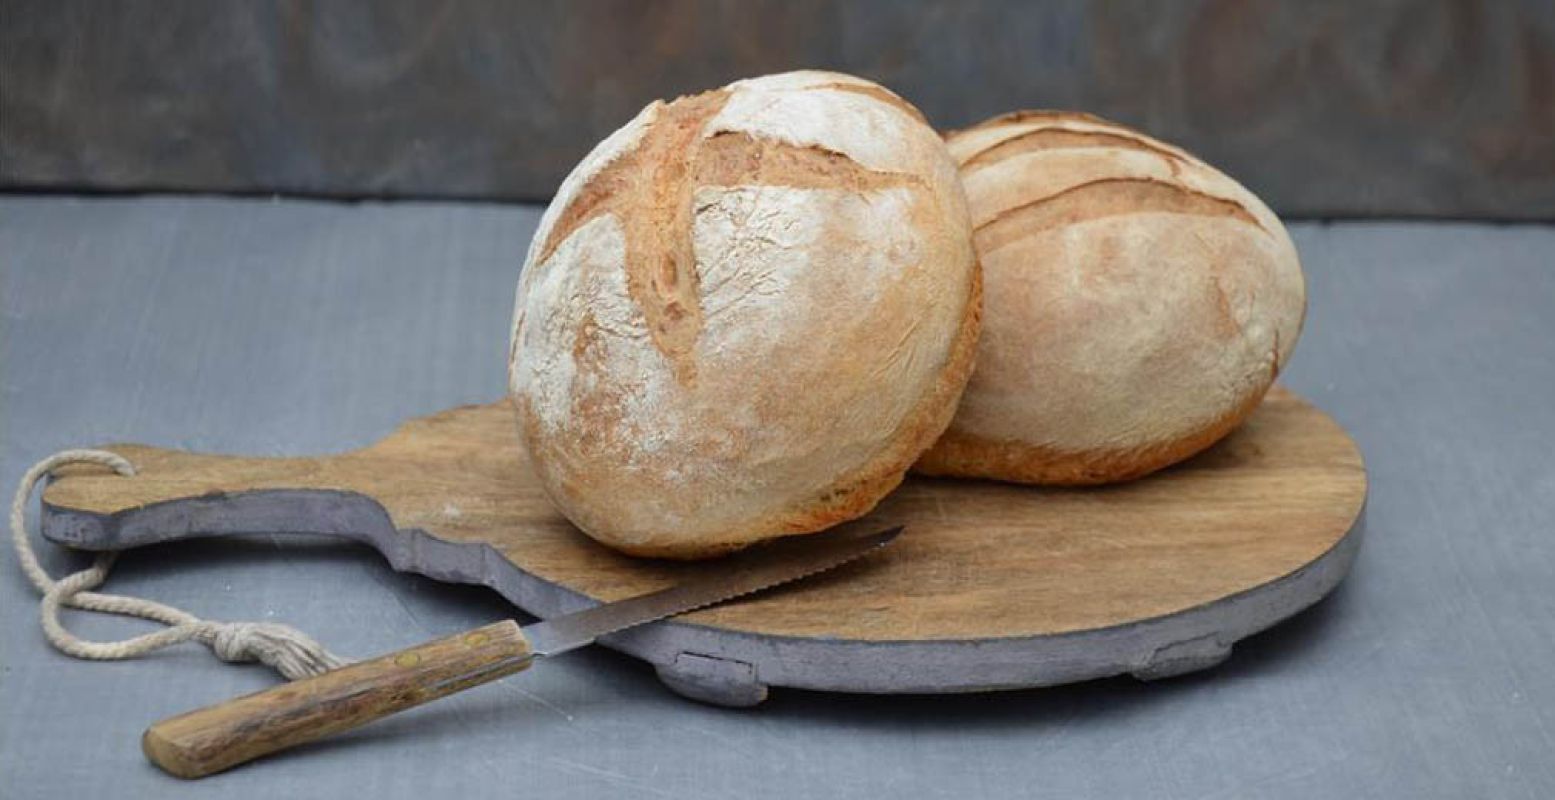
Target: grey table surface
[[283, 327]]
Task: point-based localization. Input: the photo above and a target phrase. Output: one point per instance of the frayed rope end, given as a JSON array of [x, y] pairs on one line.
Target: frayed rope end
[[287, 650]]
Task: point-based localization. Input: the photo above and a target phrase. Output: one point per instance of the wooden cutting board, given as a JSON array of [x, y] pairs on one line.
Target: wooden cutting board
[[992, 586]]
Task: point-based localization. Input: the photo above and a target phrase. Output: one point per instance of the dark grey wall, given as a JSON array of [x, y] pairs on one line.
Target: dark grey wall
[[1325, 108]]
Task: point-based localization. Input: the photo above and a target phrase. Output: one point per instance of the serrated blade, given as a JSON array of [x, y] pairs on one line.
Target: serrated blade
[[751, 571]]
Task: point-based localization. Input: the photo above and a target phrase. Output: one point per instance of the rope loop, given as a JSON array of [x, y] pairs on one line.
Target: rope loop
[[285, 649]]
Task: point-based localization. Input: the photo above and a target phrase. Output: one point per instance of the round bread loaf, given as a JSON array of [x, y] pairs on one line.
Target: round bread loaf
[[1139, 303], [745, 314]]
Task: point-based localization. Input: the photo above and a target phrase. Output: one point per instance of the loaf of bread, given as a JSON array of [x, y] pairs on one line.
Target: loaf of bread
[[745, 314], [1139, 303]]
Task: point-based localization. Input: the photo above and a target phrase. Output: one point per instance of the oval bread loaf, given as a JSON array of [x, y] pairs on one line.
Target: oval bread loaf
[[1139, 305], [745, 314]]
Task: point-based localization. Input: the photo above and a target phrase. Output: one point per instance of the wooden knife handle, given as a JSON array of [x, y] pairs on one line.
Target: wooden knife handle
[[217, 737]]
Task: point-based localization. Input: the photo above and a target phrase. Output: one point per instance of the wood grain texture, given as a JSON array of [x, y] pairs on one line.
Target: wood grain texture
[[978, 560], [221, 736]]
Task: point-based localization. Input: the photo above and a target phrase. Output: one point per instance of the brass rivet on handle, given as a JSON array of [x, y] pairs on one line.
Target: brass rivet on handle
[[407, 659], [476, 639]]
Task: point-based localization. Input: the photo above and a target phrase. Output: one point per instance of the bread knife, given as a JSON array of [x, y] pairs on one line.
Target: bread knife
[[217, 737]]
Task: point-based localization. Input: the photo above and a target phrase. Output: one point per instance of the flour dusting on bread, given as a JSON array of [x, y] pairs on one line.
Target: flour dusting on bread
[[745, 316]]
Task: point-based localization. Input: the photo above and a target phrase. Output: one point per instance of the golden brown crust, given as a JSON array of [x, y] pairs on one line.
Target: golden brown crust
[[855, 494], [1108, 197], [1028, 114], [1047, 138], [739, 159], [653, 179], [764, 245], [963, 455], [880, 93], [1116, 344]]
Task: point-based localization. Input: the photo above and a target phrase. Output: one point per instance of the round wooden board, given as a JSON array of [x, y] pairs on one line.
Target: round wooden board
[[991, 586]]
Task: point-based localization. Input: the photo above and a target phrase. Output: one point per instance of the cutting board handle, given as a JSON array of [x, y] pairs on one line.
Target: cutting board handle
[[177, 495], [218, 737]]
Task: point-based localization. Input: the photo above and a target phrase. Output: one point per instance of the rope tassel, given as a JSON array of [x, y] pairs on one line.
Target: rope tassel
[[285, 649]]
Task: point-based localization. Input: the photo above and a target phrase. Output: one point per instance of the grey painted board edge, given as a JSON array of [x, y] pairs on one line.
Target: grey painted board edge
[[732, 668]]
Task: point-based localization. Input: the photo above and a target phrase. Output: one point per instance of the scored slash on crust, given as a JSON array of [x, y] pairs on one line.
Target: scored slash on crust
[[1089, 377], [659, 175], [816, 217]]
